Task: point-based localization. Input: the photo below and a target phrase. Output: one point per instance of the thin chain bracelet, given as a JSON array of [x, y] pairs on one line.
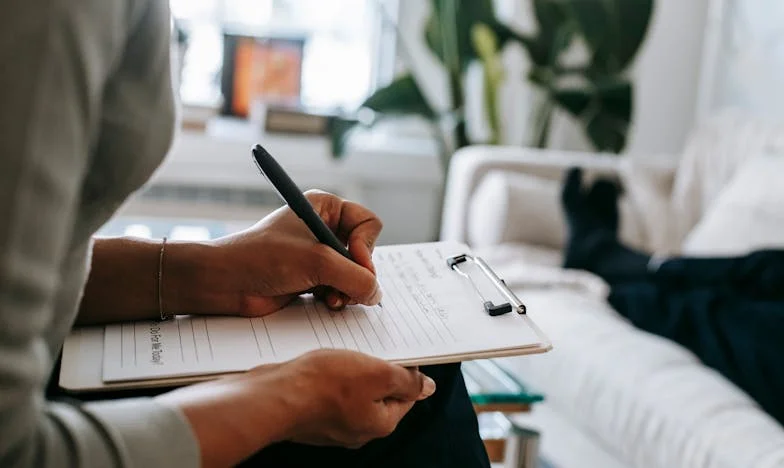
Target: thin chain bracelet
[[164, 317]]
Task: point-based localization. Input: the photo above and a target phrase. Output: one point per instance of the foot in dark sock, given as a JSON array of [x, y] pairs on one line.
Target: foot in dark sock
[[592, 219], [603, 201]]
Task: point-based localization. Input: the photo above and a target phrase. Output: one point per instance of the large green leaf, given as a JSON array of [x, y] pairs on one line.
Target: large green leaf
[[633, 21], [613, 30], [555, 31], [448, 30], [604, 109], [575, 101], [506, 34], [616, 97], [340, 129], [554, 34], [402, 96], [607, 132]]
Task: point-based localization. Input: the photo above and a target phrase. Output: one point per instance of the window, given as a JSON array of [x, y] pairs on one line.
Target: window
[[348, 51]]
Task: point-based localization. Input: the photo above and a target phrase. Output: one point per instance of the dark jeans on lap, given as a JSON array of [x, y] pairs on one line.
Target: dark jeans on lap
[[729, 312], [440, 432]]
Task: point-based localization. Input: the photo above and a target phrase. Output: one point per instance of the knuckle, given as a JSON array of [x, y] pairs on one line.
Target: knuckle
[[375, 221], [321, 197], [316, 193]]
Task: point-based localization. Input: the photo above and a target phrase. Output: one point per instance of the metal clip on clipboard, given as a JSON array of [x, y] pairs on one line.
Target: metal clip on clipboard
[[491, 308]]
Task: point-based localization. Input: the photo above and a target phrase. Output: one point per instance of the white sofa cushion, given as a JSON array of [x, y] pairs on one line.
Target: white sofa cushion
[[748, 213], [647, 188], [657, 406], [509, 207], [713, 154], [516, 207]]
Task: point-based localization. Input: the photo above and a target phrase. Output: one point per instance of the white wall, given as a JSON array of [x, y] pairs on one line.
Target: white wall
[[667, 73], [744, 66]]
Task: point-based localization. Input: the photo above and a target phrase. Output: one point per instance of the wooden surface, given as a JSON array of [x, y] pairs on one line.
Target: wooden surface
[[495, 447], [503, 408]]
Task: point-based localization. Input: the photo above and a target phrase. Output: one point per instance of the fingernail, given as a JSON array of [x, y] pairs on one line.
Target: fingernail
[[336, 302], [377, 295], [428, 387]]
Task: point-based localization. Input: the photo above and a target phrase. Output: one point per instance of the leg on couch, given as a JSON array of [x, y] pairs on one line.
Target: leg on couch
[[728, 311]]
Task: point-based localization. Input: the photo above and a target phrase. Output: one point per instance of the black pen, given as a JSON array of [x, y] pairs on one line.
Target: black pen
[[295, 199]]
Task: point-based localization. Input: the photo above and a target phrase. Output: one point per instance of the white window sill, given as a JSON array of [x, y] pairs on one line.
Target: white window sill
[[221, 156], [399, 178]]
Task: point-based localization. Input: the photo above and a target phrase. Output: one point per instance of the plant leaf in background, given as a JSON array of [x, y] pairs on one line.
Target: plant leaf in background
[[401, 97], [340, 129], [448, 35], [486, 44], [613, 30], [459, 32], [448, 30], [555, 32], [605, 110]]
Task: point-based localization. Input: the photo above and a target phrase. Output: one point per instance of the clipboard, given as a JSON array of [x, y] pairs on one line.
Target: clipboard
[[84, 350]]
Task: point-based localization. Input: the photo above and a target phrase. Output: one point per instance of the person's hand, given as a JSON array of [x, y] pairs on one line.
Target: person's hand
[[257, 271], [357, 398], [336, 398]]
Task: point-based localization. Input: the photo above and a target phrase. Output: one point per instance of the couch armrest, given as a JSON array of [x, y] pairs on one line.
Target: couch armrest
[[469, 165]]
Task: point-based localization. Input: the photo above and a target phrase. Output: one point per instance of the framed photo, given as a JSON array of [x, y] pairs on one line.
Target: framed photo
[[265, 68]]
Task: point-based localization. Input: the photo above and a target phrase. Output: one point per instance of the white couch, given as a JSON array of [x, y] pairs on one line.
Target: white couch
[[616, 396]]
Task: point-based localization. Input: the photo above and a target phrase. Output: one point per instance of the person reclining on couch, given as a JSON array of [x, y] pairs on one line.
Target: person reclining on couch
[[728, 311]]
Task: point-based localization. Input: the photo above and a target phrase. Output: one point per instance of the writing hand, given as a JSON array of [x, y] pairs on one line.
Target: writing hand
[[257, 271]]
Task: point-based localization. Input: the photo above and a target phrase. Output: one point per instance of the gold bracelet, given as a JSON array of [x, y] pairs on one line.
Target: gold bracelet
[[164, 317]]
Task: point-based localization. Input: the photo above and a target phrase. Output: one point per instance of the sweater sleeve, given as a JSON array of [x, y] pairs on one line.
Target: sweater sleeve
[[57, 56]]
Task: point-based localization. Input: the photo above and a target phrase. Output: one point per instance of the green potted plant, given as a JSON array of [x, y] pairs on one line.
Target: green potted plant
[[596, 91]]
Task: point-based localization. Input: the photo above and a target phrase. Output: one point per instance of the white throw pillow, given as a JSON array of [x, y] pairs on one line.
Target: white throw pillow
[[715, 152], [747, 215], [513, 207]]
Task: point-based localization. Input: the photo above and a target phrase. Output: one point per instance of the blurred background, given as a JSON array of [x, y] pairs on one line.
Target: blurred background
[[294, 74]]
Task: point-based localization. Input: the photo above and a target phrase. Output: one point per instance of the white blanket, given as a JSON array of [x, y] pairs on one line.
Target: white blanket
[[657, 406]]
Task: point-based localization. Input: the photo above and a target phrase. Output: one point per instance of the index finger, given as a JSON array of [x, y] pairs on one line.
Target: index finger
[[353, 223]]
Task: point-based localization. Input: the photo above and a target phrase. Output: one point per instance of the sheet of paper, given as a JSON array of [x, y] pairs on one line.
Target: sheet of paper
[[428, 310]]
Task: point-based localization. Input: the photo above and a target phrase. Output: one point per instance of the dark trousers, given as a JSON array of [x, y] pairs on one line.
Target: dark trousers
[[728, 311], [439, 432]]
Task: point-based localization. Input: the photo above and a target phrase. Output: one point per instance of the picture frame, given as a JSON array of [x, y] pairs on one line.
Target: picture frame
[[259, 67]]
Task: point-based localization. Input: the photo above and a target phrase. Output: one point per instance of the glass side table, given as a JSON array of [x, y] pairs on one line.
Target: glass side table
[[497, 395]]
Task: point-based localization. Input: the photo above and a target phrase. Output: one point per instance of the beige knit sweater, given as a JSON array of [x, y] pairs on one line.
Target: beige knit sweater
[[86, 115]]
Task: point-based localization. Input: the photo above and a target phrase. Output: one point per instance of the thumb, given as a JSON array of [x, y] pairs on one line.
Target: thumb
[[410, 385], [348, 277]]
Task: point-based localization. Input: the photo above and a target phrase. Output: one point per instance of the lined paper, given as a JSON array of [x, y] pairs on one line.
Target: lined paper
[[428, 310]]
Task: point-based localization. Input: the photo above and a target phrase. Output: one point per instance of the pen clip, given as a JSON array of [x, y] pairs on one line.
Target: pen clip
[[491, 308]]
